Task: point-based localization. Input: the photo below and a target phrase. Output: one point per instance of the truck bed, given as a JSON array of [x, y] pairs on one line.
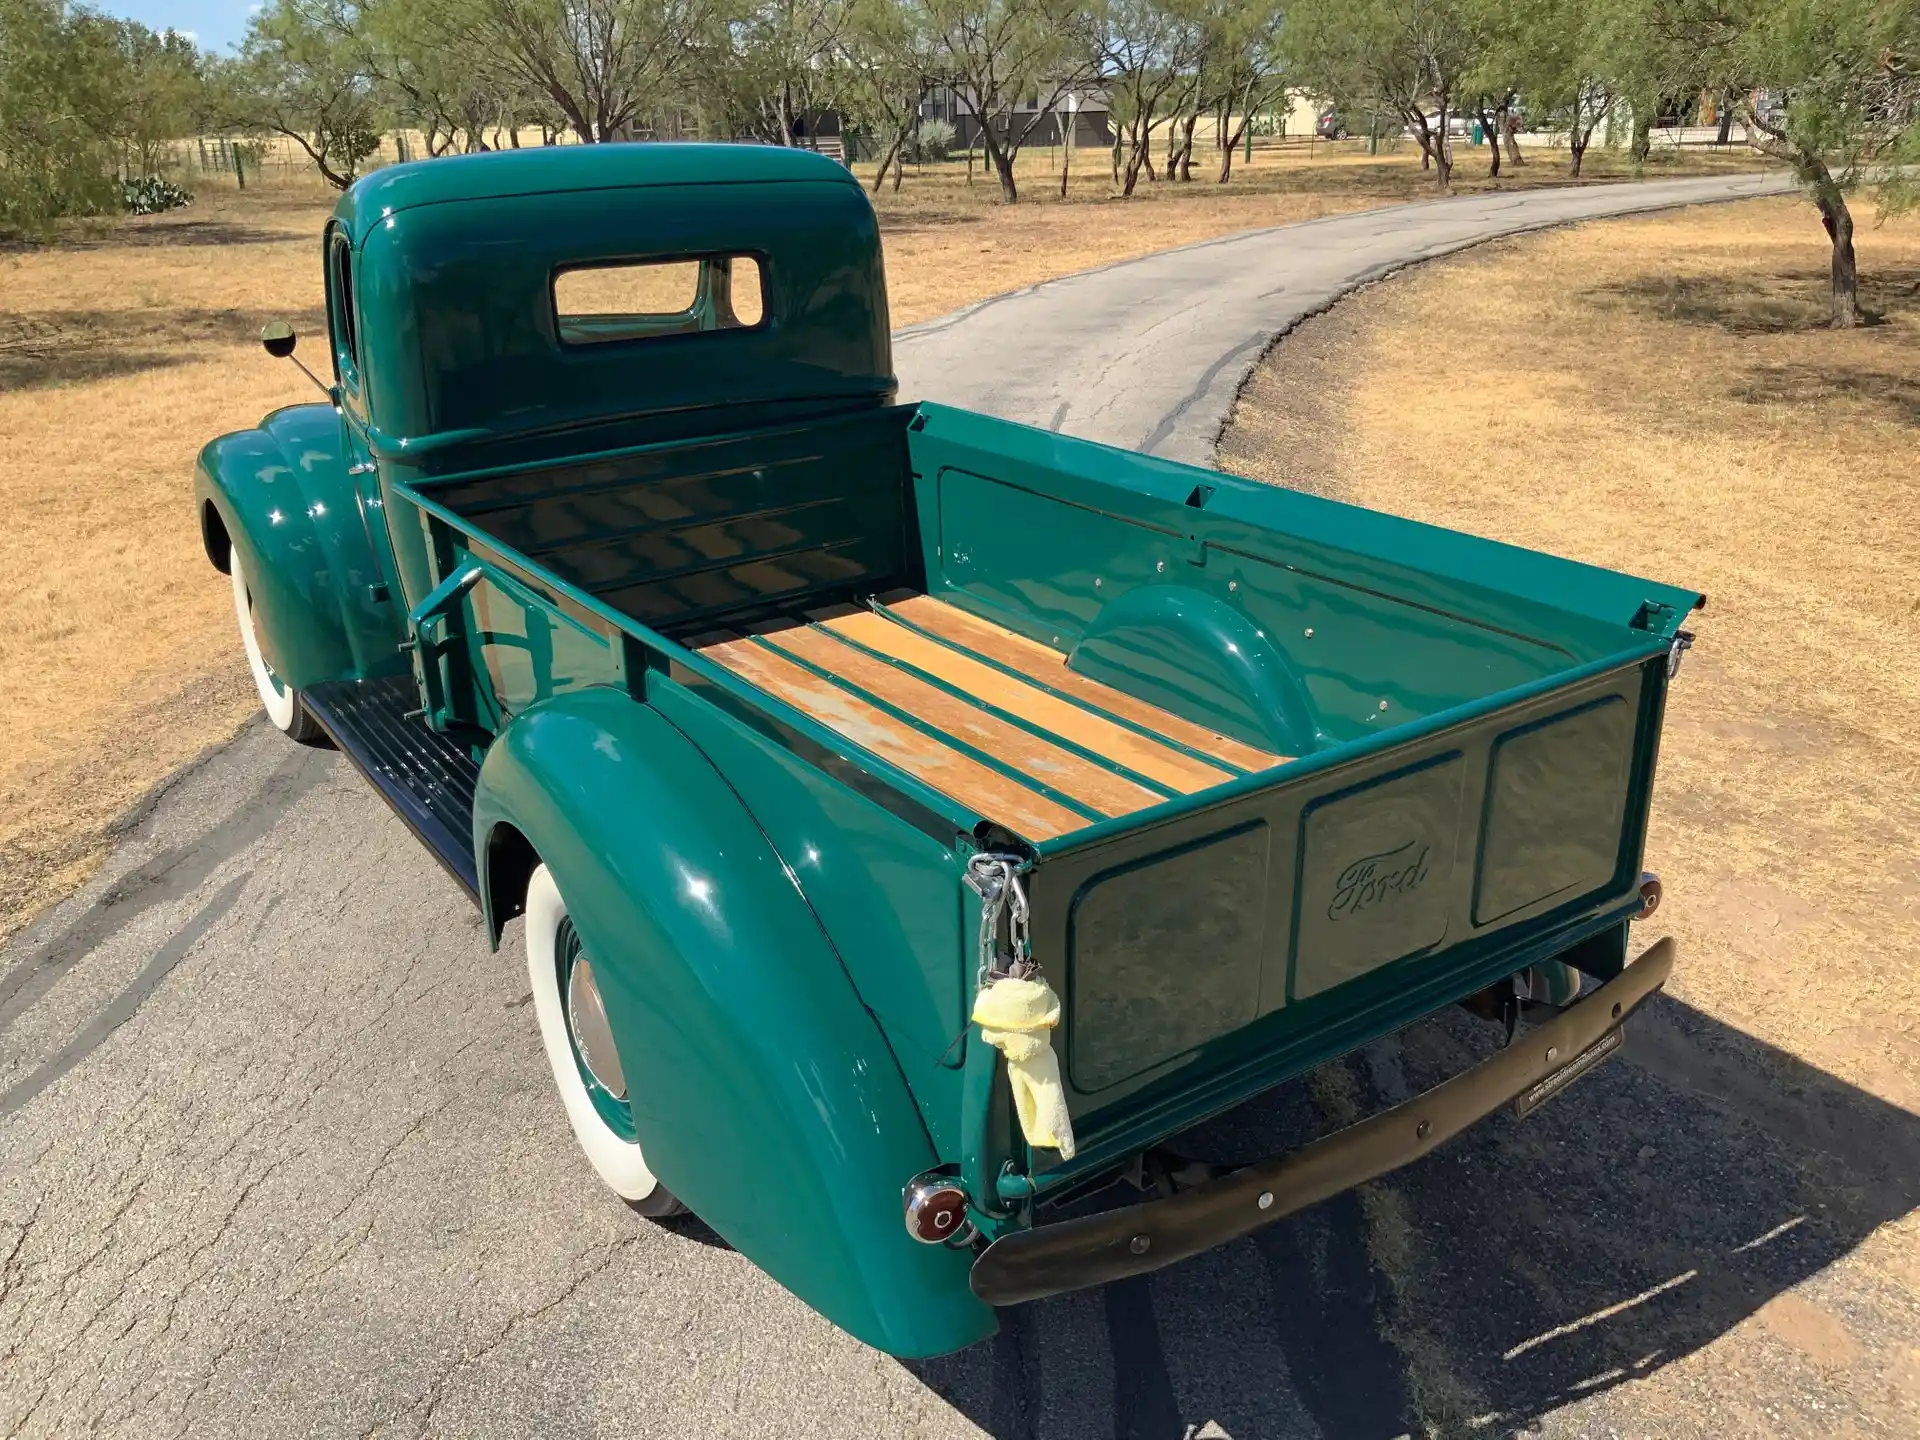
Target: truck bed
[[991, 719]]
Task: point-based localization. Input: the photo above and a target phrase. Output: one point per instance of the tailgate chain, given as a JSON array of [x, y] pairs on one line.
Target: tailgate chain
[[1014, 1006], [996, 880]]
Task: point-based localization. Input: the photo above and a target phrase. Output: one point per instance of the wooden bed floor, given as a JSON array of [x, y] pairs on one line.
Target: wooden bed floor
[[991, 719]]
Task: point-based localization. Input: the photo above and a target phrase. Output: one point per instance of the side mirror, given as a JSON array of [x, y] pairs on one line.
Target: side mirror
[[277, 339]]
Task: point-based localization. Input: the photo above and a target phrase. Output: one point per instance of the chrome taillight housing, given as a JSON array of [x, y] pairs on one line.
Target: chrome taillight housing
[[936, 1209]]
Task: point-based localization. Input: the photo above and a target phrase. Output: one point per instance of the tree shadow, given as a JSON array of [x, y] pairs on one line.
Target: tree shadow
[[1782, 302], [160, 234], [56, 347], [1896, 394], [1530, 1264]]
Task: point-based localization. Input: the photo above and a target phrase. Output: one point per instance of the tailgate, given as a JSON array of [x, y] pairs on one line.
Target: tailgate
[[1295, 915]]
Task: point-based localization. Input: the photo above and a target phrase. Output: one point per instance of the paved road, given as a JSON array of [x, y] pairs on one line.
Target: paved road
[[278, 1154], [1150, 353]]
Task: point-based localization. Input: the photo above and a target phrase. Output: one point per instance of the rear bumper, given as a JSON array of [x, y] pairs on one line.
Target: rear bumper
[[1033, 1264]]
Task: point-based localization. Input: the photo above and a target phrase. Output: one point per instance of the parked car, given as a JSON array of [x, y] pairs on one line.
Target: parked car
[[1330, 126], [795, 723]]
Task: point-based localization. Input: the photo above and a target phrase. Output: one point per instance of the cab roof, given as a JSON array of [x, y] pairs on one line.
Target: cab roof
[[548, 169]]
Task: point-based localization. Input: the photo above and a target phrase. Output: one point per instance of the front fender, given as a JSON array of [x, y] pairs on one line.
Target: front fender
[[762, 1088], [286, 504]]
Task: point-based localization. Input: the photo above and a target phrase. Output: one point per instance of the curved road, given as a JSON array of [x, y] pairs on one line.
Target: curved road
[[1149, 353], [278, 1152]]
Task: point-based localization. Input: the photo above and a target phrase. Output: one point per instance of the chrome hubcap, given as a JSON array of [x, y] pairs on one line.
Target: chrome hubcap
[[592, 1036]]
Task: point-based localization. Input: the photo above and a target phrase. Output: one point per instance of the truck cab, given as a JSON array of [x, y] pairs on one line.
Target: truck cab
[[795, 720]]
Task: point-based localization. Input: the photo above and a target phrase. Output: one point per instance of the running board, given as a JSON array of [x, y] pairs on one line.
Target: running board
[[427, 777]]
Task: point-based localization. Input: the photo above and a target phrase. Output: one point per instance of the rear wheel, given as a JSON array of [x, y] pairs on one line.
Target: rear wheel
[[579, 1043], [281, 700]]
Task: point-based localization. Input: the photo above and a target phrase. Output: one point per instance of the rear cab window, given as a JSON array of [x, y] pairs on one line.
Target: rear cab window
[[604, 302]]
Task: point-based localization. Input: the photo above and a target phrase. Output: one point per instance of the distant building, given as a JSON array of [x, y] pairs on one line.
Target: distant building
[[1091, 110]]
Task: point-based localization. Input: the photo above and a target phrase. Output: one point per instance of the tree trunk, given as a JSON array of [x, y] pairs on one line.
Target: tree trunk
[[1442, 152], [1186, 145], [1137, 158], [1510, 132], [1066, 152], [1002, 164], [1725, 137], [1490, 130], [892, 155], [1642, 136], [1422, 134], [1838, 221]]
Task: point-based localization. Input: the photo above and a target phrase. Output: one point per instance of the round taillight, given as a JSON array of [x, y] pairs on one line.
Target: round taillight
[[936, 1209], [1650, 892]]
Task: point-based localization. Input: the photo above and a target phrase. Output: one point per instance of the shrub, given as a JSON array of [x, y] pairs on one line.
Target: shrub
[[150, 194], [934, 140]]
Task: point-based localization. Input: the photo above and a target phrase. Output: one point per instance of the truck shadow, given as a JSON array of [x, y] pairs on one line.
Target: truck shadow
[[1664, 1201]]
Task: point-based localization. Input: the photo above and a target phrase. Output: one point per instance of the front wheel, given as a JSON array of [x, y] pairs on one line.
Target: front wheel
[[281, 700], [579, 1042]]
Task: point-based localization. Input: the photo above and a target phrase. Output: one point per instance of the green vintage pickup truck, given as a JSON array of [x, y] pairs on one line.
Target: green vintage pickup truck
[[802, 726]]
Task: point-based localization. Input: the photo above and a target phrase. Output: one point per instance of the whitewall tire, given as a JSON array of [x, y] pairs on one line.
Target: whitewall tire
[[572, 1027], [281, 700]]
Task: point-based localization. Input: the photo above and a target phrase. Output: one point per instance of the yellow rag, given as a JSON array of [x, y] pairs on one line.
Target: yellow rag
[[1014, 1017]]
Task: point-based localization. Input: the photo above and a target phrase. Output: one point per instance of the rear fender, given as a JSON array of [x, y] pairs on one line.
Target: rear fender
[[281, 498], [762, 1089]]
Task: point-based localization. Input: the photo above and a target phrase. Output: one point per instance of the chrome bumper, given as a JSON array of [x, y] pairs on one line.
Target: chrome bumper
[[1052, 1259]]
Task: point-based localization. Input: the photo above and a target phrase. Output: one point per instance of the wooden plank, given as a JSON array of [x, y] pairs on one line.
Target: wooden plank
[[1033, 659], [984, 791], [1172, 768], [1081, 779]]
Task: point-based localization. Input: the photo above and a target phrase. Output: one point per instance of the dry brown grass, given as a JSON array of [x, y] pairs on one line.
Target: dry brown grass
[[125, 350], [1662, 396]]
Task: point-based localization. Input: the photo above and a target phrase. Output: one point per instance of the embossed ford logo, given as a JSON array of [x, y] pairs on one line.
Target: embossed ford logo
[[1373, 880]]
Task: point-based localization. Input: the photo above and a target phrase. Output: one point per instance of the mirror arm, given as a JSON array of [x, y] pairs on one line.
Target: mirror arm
[[325, 389]]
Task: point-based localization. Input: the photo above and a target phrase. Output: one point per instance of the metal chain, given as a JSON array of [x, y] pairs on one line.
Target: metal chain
[[996, 879]]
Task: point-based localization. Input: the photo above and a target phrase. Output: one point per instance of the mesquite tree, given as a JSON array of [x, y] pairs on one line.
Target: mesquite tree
[[1251, 73], [890, 65], [1406, 57], [1847, 77], [1010, 63], [1151, 52], [295, 77]]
